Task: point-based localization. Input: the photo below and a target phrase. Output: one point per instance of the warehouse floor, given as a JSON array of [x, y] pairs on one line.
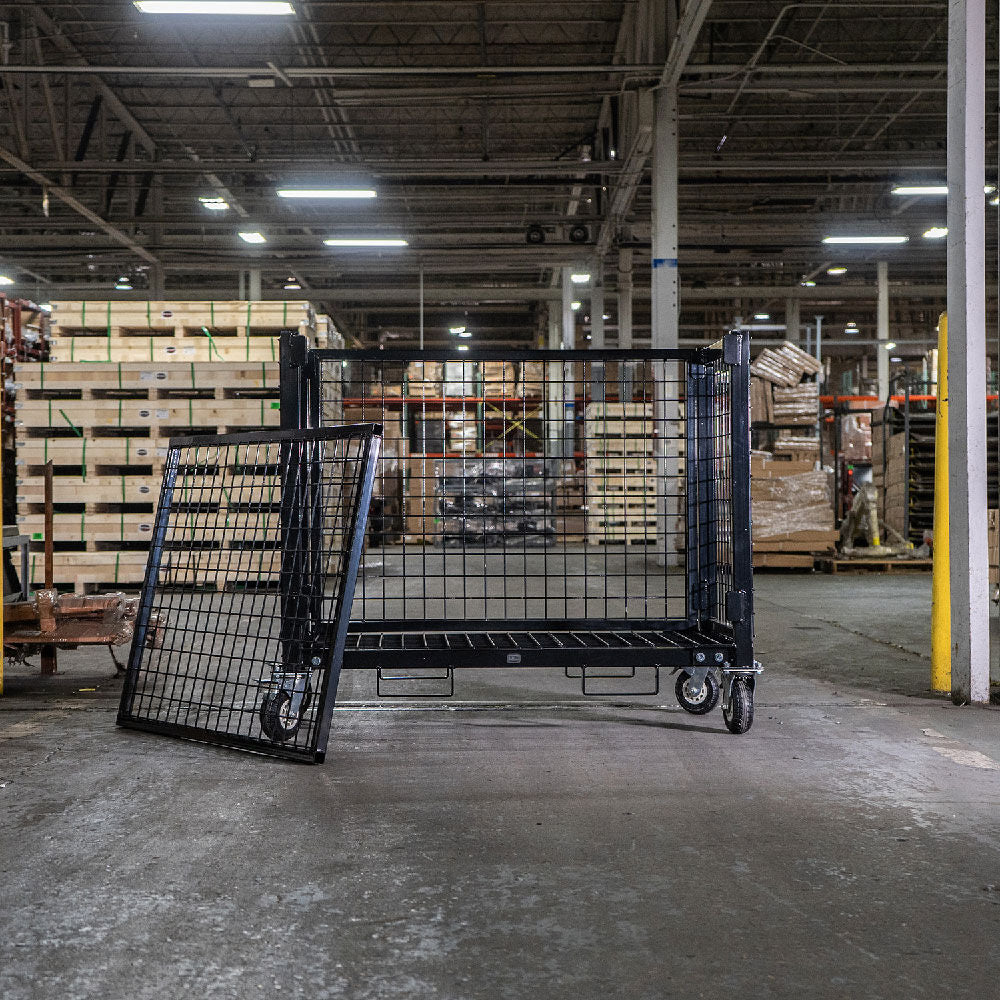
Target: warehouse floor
[[846, 847]]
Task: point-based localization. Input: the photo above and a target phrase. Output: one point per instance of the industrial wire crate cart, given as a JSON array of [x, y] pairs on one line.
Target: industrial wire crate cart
[[588, 510], [242, 622]]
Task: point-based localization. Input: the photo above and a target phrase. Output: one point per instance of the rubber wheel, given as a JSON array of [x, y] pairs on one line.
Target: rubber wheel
[[739, 716], [706, 699], [276, 718]]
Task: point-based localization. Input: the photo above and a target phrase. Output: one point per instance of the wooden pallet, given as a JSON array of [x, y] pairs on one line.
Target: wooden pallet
[[631, 465], [93, 456], [99, 379], [161, 350], [598, 411], [784, 560], [34, 417], [871, 564]]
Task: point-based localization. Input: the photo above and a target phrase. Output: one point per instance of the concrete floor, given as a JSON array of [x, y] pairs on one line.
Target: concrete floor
[[847, 847]]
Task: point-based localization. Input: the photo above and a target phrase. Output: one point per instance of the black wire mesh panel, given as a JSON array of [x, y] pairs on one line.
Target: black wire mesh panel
[[248, 589], [577, 508]]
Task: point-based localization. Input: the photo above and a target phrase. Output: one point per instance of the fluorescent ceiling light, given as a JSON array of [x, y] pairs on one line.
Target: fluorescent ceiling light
[[462, 347], [465, 334], [606, 316], [215, 204], [889, 345], [292, 286], [253, 237], [46, 307], [456, 330], [575, 306], [808, 284], [936, 233], [327, 193], [4, 280], [255, 8], [761, 315], [866, 239], [580, 279], [123, 284], [995, 200], [920, 189], [357, 242], [834, 271]]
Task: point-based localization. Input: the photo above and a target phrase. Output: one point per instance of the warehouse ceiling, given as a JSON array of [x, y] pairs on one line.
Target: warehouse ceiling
[[474, 122]]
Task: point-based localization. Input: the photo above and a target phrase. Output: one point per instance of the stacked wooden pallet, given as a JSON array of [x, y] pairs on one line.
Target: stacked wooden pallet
[[620, 473], [126, 377]]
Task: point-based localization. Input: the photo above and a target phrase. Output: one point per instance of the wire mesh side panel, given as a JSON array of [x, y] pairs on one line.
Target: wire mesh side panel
[[524, 490], [720, 576], [248, 589]]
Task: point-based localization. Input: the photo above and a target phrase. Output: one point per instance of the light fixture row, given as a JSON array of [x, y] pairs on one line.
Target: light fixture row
[[256, 238]]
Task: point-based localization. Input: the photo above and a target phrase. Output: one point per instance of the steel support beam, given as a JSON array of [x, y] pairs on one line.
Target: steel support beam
[[882, 327], [597, 308], [77, 206], [625, 292], [968, 550], [568, 315]]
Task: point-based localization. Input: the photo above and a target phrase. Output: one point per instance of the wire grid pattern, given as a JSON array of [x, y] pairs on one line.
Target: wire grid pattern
[[524, 490], [711, 406], [246, 580]]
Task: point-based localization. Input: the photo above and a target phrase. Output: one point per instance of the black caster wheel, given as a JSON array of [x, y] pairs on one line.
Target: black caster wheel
[[704, 701], [739, 715], [276, 718]]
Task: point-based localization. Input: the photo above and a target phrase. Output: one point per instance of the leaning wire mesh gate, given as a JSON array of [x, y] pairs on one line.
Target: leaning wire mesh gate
[[581, 509], [243, 618]]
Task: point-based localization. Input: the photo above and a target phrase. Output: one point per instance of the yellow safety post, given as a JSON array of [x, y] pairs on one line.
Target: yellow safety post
[[941, 586]]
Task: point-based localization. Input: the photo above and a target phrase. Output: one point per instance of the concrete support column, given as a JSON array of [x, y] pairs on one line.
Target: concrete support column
[[597, 308], [968, 556], [568, 316], [665, 285], [793, 320], [253, 284], [625, 299], [664, 332], [882, 328]]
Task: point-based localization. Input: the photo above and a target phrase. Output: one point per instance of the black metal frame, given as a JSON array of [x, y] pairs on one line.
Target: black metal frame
[[265, 572], [716, 633]]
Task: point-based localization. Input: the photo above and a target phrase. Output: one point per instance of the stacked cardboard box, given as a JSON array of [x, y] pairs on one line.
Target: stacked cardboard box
[[499, 378], [424, 379], [792, 513]]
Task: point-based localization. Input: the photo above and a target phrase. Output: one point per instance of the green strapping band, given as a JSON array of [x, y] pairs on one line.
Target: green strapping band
[[119, 413], [191, 412], [83, 461], [151, 358], [62, 413], [109, 331], [118, 556], [123, 488], [211, 343], [83, 313], [211, 312], [284, 314], [193, 382], [83, 523], [42, 372], [249, 310], [119, 374], [272, 350], [149, 315], [121, 528], [263, 374]]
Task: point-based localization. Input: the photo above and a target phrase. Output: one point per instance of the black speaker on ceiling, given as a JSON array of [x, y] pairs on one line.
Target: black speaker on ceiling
[[535, 234], [578, 234]]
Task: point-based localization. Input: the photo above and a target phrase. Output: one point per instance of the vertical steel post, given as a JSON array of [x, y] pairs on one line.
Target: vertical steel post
[[882, 357], [968, 554], [421, 307], [665, 316], [597, 368], [568, 344], [625, 299], [739, 604], [940, 588]]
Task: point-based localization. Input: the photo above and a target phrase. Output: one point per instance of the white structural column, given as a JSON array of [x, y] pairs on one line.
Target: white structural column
[[568, 316], [793, 320], [597, 308], [970, 636], [882, 329], [665, 321], [625, 299], [253, 285], [665, 286]]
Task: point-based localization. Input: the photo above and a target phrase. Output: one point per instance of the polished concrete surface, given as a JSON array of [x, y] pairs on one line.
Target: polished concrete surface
[[848, 846]]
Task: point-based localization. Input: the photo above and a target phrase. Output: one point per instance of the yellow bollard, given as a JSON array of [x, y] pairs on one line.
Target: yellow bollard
[[941, 587]]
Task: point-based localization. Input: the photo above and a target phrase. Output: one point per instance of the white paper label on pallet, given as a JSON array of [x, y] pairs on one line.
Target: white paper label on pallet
[[146, 376], [188, 350], [161, 452], [162, 414]]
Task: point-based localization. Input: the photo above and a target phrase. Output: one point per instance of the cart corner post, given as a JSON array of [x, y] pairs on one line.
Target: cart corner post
[[941, 589]]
